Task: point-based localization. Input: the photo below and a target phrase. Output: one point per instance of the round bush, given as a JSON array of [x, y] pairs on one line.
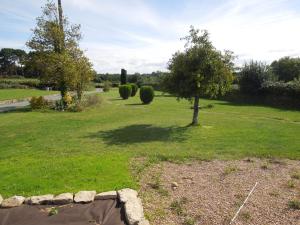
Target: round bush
[[134, 89], [146, 94], [125, 91]]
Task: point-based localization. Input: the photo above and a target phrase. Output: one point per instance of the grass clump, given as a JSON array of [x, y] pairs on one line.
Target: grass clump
[[230, 169], [294, 204], [291, 184], [296, 175], [177, 206], [245, 216]]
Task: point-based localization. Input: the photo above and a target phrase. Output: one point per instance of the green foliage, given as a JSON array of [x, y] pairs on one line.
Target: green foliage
[[20, 83], [106, 86], [57, 54], [38, 103], [200, 69], [294, 204], [125, 91], [134, 89], [253, 76], [146, 94], [286, 69], [12, 61], [280, 89], [53, 211], [123, 77]]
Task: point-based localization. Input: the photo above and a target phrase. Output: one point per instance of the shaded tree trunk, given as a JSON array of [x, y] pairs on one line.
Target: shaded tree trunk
[[63, 86], [61, 25], [196, 111]]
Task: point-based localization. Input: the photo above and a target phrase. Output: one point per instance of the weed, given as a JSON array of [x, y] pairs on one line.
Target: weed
[[53, 211], [264, 166], [291, 184], [230, 169], [177, 206], [274, 194], [245, 216], [189, 221], [296, 175], [294, 204]]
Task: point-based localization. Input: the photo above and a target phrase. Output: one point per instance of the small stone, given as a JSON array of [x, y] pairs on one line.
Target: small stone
[[40, 200], [126, 194], [11, 202], [106, 195], [84, 196], [63, 199], [174, 185], [1, 199]]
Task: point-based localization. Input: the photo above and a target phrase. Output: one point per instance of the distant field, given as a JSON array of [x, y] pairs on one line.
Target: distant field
[[53, 152], [6, 94]]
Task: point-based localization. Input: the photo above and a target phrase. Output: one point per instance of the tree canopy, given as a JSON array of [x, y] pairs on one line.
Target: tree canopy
[[200, 70], [57, 53]]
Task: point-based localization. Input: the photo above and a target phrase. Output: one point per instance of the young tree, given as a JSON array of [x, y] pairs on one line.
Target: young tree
[[56, 43], [123, 76], [200, 70]]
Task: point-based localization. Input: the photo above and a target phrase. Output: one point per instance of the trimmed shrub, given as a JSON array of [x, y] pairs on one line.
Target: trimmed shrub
[[125, 91], [146, 94], [134, 89], [123, 77], [38, 103], [106, 86]]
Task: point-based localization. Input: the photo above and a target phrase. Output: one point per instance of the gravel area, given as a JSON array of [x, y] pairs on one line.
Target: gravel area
[[212, 192]]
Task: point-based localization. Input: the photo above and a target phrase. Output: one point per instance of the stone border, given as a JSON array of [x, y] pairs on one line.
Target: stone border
[[132, 203]]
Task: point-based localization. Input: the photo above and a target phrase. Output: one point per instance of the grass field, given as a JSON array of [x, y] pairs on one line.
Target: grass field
[[6, 94], [54, 152]]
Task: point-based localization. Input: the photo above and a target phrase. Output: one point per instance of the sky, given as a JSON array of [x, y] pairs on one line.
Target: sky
[[142, 35]]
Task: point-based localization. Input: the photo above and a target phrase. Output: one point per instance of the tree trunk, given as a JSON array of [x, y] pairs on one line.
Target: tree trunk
[[61, 25], [196, 111]]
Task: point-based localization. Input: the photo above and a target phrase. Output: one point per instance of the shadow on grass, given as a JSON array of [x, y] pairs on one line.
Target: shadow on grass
[[141, 133], [14, 109], [255, 104], [136, 104]]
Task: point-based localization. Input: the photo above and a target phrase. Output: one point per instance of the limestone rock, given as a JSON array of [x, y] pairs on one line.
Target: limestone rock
[[11, 202], [144, 222], [133, 207], [40, 200], [1, 199], [134, 211], [106, 195], [126, 194], [63, 199], [174, 185], [84, 196]]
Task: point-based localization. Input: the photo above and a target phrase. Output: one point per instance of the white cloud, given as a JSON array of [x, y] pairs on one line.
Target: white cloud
[[140, 37]]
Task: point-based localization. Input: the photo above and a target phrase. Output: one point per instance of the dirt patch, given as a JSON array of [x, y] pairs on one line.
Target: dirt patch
[[212, 192]]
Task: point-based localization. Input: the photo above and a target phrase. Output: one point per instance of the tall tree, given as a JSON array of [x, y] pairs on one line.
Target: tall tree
[[200, 70], [56, 43], [286, 69], [12, 61]]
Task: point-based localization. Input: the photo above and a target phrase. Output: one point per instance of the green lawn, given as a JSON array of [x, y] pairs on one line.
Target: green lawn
[[6, 94], [53, 152]]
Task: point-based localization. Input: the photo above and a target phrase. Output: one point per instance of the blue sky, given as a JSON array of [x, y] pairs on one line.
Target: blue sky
[[142, 35]]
